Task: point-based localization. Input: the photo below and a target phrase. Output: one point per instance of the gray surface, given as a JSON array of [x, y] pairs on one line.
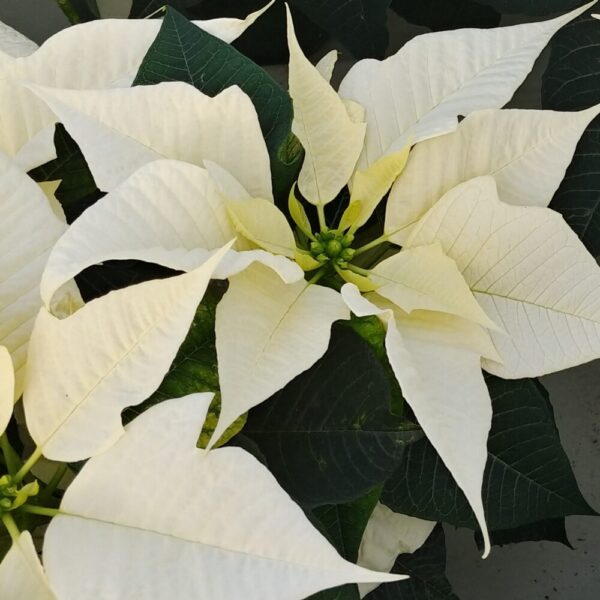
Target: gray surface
[[530, 571]]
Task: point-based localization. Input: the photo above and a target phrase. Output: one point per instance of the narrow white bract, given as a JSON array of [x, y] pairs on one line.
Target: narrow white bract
[[332, 141], [267, 333], [436, 359]]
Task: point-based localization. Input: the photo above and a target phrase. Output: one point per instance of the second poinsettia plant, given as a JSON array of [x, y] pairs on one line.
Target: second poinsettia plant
[[285, 297]]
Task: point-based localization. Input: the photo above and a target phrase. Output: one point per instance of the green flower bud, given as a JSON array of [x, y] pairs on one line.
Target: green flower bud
[[334, 247]]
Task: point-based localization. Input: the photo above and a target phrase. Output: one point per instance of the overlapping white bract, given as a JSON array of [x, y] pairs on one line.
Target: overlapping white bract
[[169, 213], [526, 151], [187, 524], [94, 55], [112, 353], [420, 91], [29, 230], [118, 130], [528, 270]]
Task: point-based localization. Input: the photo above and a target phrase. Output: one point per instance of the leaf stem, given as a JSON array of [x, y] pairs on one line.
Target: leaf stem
[[69, 11], [321, 215], [317, 276], [29, 464], [11, 526], [376, 242], [47, 492], [40, 510], [358, 270], [10, 456]]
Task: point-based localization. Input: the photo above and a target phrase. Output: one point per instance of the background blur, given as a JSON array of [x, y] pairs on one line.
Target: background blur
[[527, 571]]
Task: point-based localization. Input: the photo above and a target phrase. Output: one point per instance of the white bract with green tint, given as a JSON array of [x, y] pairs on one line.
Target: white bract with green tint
[[471, 284]]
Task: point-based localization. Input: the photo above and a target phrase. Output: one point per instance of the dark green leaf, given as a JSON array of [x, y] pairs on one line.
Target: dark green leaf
[[77, 190], [533, 7], [329, 436], [441, 15], [572, 82], [528, 477], [344, 524], [550, 530], [184, 52], [426, 568]]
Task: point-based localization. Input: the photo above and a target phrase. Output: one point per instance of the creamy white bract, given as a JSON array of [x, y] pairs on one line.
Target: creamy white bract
[[486, 276]]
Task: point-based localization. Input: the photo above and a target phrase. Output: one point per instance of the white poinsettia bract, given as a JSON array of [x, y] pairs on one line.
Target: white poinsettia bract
[[477, 273]]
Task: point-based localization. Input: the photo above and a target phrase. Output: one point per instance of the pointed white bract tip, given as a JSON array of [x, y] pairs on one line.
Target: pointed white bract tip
[[596, 16], [487, 546]]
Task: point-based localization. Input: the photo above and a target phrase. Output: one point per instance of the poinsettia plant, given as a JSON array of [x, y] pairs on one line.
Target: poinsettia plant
[[261, 335]]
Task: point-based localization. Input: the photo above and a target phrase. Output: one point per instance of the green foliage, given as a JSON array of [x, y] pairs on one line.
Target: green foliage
[[440, 15], [572, 82], [344, 525], [426, 569], [329, 436], [528, 477], [184, 52]]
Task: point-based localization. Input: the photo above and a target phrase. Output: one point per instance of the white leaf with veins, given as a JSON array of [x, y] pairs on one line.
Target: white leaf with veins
[[267, 333], [387, 535], [528, 270], [112, 353], [188, 524], [331, 139], [120, 130], [420, 91], [526, 151], [109, 53]]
